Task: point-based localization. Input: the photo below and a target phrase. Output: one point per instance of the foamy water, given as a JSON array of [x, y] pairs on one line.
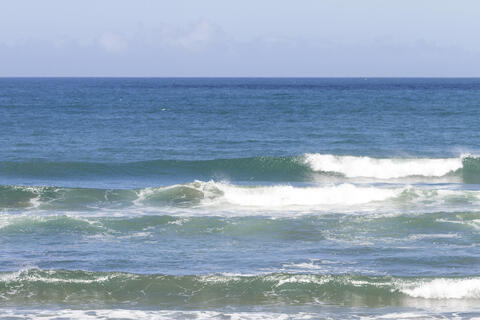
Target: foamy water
[[353, 166]]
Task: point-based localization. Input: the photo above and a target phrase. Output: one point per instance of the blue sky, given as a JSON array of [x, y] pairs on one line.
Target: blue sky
[[240, 38]]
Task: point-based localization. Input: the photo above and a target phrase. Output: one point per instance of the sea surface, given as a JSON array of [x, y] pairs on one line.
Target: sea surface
[[145, 198]]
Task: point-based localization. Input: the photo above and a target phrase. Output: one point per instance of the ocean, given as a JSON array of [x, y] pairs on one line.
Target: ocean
[[239, 198]]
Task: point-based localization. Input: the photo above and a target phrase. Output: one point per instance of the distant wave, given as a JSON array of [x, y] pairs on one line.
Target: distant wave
[[205, 194], [34, 286], [305, 167], [256, 169], [352, 166], [466, 166]]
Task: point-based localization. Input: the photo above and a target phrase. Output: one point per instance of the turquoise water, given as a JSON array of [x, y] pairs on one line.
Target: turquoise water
[[239, 198]]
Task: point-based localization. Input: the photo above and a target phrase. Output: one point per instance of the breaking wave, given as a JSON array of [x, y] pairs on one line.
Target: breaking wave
[[200, 194], [35, 286], [305, 167], [351, 166]]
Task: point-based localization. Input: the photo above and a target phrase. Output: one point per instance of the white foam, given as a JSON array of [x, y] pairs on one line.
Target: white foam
[[24, 275], [282, 279], [146, 314], [406, 315], [352, 166], [444, 289], [227, 196], [228, 199], [286, 195], [304, 266], [416, 237]]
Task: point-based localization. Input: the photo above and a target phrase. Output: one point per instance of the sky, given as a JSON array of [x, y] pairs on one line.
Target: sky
[[223, 38]]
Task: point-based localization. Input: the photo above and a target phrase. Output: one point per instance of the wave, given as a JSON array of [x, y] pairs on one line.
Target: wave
[[35, 286], [222, 195], [255, 169], [460, 228], [351, 166], [279, 313], [135, 314], [444, 289], [307, 167]]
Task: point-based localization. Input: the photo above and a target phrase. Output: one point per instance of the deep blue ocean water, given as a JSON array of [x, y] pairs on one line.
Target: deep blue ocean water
[[239, 198]]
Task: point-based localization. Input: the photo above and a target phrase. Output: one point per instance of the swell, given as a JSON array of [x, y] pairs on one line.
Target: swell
[[223, 195], [305, 167], [35, 286], [256, 169], [460, 228]]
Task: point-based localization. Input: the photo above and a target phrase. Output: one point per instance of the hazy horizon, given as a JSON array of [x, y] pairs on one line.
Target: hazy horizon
[[218, 39], [231, 77]]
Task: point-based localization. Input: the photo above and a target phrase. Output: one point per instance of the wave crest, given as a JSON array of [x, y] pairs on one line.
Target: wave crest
[[223, 195], [444, 288], [99, 288], [352, 166], [301, 168], [198, 193]]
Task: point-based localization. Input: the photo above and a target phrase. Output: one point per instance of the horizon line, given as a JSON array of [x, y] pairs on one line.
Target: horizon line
[[240, 77]]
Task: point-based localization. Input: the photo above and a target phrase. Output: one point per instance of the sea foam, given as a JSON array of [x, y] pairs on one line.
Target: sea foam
[[445, 288], [352, 166], [224, 195], [286, 195]]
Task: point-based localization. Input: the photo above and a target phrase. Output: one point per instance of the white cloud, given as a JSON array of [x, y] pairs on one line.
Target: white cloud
[[198, 35], [193, 37], [113, 43], [204, 49]]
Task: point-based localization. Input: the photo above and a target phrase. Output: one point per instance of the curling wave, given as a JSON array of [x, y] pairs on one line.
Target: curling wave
[[193, 194], [34, 286], [200, 194], [305, 167], [351, 166]]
